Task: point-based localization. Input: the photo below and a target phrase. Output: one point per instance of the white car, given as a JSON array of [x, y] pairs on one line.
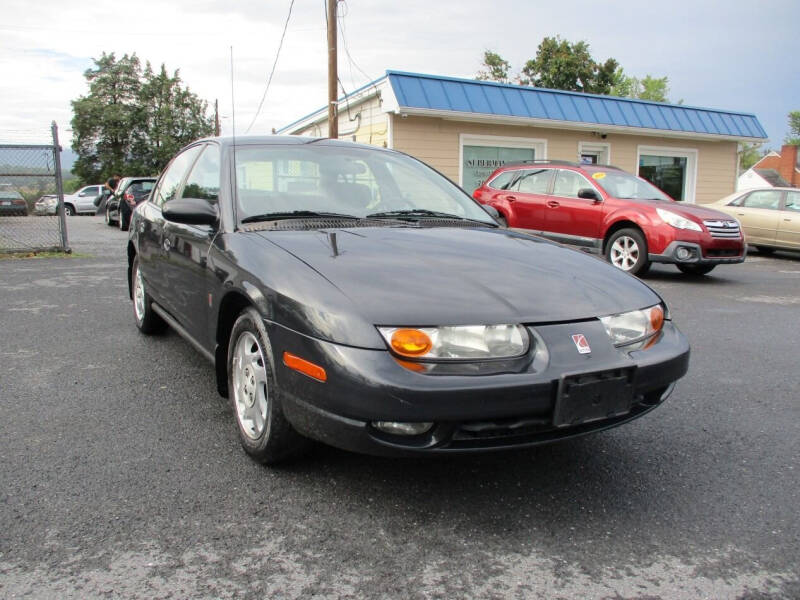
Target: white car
[[82, 201]]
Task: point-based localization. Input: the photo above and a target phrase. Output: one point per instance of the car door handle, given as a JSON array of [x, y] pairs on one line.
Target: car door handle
[[553, 204], [740, 214], [788, 220], [511, 198], [167, 244]]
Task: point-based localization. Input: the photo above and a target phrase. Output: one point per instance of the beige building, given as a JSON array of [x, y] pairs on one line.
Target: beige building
[[467, 128]]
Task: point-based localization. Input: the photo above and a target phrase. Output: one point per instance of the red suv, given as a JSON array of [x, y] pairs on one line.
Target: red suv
[[605, 210]]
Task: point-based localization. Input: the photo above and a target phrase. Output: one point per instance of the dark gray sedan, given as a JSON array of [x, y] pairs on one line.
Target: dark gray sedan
[[355, 296]]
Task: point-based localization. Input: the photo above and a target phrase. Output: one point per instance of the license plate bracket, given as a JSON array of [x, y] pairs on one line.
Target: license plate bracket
[[586, 397]]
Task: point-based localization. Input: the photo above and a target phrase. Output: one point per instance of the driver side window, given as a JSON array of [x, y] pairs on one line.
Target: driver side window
[[173, 176]]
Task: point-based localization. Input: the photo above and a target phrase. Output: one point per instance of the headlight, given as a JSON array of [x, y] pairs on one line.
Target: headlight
[[677, 221], [471, 342], [634, 326]]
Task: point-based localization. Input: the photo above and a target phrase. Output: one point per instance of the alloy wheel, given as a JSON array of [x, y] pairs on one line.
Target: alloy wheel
[[138, 296], [250, 387], [624, 253]]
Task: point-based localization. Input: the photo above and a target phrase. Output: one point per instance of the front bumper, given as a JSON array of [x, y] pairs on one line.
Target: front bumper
[[516, 405], [702, 254]]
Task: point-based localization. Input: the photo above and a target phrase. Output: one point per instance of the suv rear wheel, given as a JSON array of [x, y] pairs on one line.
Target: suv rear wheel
[[146, 319], [627, 250]]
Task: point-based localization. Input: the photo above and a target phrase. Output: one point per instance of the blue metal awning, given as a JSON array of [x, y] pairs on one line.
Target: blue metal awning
[[419, 92]]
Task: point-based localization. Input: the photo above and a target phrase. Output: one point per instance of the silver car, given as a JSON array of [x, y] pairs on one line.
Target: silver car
[[82, 201]]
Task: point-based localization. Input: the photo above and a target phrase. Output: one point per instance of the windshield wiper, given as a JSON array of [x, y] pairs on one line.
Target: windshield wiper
[[412, 213], [296, 214]]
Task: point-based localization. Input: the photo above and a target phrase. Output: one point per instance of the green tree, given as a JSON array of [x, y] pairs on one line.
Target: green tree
[[651, 88], [132, 121], [749, 154], [495, 68], [105, 122], [794, 129], [562, 65], [171, 115]]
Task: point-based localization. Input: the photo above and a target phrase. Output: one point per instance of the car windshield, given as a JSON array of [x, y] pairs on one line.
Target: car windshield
[[624, 185], [359, 182]]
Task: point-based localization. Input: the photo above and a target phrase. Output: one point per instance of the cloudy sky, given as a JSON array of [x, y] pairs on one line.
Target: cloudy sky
[[730, 54]]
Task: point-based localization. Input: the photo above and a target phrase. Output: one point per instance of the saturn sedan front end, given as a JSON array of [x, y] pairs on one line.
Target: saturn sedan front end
[[354, 296]]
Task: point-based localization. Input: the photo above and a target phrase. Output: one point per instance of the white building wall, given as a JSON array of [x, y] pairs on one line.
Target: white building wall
[[750, 180]]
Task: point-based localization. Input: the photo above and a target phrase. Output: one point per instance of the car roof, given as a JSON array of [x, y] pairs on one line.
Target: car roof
[[557, 163], [286, 140]]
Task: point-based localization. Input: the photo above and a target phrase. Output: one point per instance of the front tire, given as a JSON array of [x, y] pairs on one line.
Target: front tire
[[627, 250], [147, 320], [696, 269], [68, 210], [264, 432]]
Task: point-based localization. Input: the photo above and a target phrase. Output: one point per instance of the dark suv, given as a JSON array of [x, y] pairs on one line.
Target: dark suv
[[130, 192], [605, 210]]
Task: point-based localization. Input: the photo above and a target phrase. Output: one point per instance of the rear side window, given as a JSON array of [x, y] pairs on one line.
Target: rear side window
[[534, 181], [793, 201], [501, 181]]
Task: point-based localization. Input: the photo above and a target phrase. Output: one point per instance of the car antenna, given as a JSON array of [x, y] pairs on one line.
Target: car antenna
[[233, 125]]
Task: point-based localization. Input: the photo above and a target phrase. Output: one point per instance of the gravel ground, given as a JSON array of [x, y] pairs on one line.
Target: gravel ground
[[121, 475]]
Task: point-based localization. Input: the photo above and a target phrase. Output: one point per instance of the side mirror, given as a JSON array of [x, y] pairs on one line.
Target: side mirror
[[589, 194], [491, 210], [190, 211]]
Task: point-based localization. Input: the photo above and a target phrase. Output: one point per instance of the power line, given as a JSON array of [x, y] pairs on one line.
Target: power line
[[352, 62], [274, 64]]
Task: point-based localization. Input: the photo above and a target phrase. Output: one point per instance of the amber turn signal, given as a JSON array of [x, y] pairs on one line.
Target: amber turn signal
[[656, 318], [305, 367], [411, 342]]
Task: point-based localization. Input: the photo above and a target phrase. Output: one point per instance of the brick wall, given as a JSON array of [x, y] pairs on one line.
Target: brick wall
[[786, 164]]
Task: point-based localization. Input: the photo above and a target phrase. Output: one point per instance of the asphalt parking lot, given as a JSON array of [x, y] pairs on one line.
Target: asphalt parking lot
[[121, 474]]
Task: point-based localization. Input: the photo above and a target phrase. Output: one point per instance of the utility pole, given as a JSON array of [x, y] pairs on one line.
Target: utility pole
[[333, 76], [216, 117]]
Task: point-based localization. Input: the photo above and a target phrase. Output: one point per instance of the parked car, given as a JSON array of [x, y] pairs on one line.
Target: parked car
[[605, 210], [46, 205], [770, 217], [83, 201], [12, 203], [130, 192], [355, 296]]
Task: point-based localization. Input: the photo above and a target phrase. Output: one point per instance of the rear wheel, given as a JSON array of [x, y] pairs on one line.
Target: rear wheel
[[146, 320], [503, 221], [122, 221], [68, 210], [696, 269], [627, 250], [264, 432]]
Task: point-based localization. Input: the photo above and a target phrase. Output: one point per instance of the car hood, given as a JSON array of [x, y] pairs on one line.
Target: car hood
[[693, 212], [437, 276]]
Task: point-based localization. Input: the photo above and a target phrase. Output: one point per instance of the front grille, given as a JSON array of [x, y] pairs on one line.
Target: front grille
[[724, 229]]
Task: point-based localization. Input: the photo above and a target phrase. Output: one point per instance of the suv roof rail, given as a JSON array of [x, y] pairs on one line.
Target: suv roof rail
[[547, 161]]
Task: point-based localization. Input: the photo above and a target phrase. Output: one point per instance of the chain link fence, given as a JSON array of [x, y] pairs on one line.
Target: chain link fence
[[31, 195]]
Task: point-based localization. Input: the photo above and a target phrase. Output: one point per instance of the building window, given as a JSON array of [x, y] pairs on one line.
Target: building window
[[594, 153], [672, 170], [481, 155]]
